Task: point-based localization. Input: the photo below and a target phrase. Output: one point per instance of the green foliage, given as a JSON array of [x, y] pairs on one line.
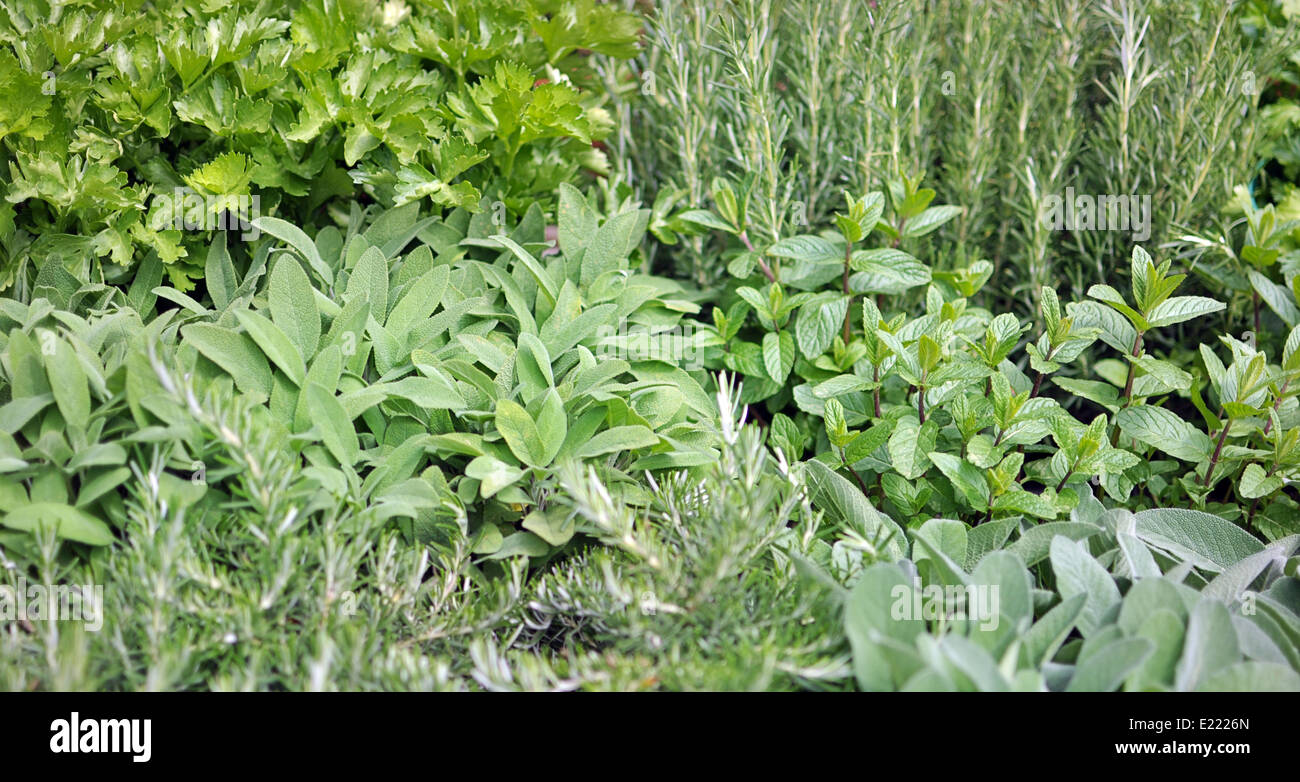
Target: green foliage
[[1007, 106], [431, 417], [1273, 182], [755, 573], [291, 588], [964, 619], [450, 379], [111, 109], [937, 410], [64, 431]]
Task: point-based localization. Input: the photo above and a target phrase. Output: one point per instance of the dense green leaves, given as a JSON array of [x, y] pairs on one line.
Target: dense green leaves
[[1077, 573], [165, 123], [427, 367], [235, 353], [66, 521]]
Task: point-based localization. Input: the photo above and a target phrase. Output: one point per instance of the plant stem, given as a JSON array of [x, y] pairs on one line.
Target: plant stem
[[767, 270], [1061, 485], [875, 392], [861, 484], [1128, 386], [1218, 449], [1269, 424], [1132, 369], [1038, 383]]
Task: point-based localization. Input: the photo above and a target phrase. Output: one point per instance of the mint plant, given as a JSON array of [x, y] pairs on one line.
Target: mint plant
[[948, 395]]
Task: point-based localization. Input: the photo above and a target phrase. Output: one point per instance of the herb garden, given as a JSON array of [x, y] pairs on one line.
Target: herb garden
[[708, 345]]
